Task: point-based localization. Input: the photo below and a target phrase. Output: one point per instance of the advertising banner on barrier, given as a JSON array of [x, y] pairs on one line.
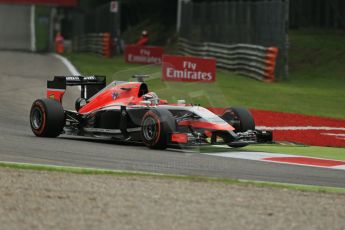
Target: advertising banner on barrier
[[144, 54], [188, 69]]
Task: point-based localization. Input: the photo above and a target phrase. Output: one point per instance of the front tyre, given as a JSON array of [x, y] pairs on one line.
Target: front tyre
[[241, 119], [156, 127], [47, 118]]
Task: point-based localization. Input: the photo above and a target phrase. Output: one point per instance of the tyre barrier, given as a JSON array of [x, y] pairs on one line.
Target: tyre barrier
[[99, 43], [255, 61], [106, 45]]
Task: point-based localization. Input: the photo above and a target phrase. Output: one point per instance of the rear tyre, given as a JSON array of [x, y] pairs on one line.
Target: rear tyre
[[241, 119], [156, 127], [47, 118]]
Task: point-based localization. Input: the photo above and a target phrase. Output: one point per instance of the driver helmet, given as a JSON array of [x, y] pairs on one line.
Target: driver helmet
[[151, 96], [144, 33]]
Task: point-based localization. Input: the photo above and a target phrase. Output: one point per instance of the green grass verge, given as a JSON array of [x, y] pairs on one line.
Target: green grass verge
[[315, 87], [310, 151], [92, 171]]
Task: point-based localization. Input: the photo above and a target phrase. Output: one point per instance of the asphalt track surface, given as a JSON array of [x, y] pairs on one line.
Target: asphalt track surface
[[23, 79]]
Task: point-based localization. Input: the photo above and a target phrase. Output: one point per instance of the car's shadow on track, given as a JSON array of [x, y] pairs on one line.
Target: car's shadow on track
[[177, 149], [102, 140], [110, 141]]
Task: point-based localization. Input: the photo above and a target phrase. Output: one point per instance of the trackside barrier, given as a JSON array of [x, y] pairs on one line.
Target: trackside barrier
[[99, 43], [106, 45], [250, 60]]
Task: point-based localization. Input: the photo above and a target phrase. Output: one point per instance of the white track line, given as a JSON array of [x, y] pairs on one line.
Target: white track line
[[261, 156], [248, 155], [71, 68], [341, 167], [333, 134], [301, 128]]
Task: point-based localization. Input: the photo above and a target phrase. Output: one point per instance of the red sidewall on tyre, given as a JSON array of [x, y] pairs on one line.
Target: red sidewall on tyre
[[47, 118], [162, 125], [39, 106], [155, 118]]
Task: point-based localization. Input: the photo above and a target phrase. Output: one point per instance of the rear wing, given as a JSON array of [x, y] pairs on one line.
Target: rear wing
[[89, 86]]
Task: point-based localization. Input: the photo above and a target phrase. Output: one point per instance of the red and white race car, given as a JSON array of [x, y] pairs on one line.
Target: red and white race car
[[129, 111]]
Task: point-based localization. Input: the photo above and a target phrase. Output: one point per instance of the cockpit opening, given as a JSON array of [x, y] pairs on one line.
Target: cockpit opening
[[143, 89]]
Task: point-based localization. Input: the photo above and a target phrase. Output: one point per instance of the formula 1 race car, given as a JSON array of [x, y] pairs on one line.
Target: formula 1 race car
[[128, 111]]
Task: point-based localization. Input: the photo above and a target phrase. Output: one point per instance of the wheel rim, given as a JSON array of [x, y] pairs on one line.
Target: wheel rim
[[36, 118], [150, 128]]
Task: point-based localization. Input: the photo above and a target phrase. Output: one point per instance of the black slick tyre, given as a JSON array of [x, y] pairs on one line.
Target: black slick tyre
[[47, 118], [156, 127], [241, 119]]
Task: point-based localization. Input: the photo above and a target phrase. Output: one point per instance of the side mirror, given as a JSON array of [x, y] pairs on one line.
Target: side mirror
[[79, 103]]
